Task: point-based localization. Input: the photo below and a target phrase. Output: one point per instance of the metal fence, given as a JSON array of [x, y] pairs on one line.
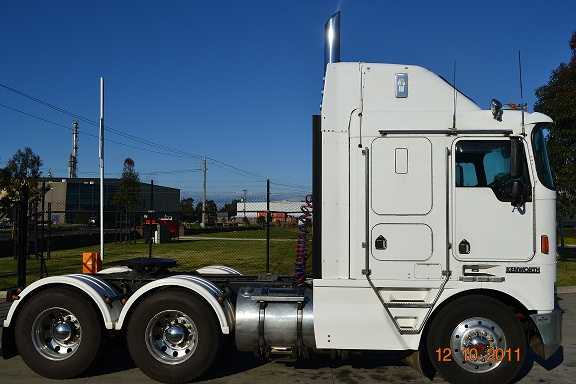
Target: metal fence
[[265, 233], [567, 239]]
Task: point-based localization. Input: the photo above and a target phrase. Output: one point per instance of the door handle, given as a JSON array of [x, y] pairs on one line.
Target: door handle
[[381, 243], [464, 247]]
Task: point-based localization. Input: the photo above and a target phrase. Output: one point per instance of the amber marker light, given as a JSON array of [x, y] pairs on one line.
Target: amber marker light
[[544, 244]]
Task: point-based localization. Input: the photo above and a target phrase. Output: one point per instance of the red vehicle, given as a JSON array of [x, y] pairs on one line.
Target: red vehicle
[[167, 221]]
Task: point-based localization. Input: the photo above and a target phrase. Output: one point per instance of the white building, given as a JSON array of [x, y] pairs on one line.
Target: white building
[[282, 210]]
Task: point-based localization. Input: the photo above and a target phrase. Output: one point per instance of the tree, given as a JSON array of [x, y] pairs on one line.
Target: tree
[[188, 213], [211, 210], [557, 99], [230, 208], [129, 190], [23, 169]]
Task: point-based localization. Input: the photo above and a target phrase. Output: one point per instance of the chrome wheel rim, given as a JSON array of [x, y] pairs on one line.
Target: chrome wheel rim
[[171, 337], [56, 333], [478, 345]]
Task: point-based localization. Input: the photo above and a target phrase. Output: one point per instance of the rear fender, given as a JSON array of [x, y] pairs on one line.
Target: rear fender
[[104, 296], [202, 287]]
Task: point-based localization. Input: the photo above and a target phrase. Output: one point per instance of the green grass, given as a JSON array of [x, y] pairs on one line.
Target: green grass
[[246, 256], [566, 273], [249, 257], [275, 233]]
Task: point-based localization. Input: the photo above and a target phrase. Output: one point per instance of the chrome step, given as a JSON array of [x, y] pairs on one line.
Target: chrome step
[[407, 304]]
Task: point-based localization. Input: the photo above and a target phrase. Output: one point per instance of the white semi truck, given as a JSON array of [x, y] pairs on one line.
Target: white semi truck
[[434, 234]]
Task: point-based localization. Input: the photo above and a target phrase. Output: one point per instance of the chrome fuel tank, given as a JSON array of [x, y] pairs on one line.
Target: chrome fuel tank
[[274, 319]]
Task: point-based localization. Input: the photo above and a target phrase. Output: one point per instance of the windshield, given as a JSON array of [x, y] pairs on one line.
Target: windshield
[[540, 137]]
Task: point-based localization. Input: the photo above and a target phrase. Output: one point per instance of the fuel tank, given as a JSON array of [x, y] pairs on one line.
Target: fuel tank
[[269, 319]]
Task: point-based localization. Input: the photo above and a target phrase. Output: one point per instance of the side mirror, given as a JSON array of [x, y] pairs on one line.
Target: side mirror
[[517, 193], [516, 155]]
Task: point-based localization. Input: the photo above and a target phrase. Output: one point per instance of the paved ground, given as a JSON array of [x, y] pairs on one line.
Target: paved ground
[[115, 367]]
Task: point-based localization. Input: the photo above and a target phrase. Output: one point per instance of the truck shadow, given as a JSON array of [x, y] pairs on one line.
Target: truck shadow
[[115, 358]]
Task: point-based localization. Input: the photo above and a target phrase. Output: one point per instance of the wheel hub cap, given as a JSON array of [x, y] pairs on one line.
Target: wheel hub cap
[[56, 333], [171, 337], [478, 344], [62, 332], [175, 334]]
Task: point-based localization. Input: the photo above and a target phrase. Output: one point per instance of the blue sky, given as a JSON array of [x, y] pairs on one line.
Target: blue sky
[[239, 80]]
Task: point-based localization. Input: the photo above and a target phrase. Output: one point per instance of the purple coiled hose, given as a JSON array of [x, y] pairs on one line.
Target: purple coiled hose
[[302, 243]]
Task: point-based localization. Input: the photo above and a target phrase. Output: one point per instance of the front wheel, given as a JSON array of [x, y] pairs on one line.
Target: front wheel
[[173, 336], [477, 339]]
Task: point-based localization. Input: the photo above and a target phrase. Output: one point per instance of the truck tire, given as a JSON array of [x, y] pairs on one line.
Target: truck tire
[[477, 339], [58, 333], [174, 336]]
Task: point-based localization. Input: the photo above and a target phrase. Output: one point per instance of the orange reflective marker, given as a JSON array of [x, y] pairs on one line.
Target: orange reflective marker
[[91, 262], [544, 244]]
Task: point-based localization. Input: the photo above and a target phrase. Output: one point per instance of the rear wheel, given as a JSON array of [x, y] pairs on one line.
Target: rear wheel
[[58, 333], [173, 336], [477, 339]]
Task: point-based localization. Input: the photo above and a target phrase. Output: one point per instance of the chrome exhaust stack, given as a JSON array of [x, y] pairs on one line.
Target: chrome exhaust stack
[[332, 40]]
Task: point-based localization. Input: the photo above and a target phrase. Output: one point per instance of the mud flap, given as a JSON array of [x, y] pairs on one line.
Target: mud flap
[[7, 343], [420, 363]]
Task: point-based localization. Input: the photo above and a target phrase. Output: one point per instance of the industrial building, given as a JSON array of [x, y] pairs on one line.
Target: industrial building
[[282, 211], [76, 200]]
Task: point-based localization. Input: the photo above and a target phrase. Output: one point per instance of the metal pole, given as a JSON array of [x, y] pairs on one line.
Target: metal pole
[[23, 236], [49, 230], [43, 205], [34, 219], [101, 163], [267, 225], [43, 271], [244, 200], [204, 169], [151, 219]]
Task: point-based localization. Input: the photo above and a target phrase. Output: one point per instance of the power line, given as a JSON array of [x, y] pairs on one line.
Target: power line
[[170, 151], [47, 104], [94, 122], [293, 186], [85, 133]]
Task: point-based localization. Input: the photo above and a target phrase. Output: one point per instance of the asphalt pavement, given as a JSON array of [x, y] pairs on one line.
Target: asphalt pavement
[[115, 366]]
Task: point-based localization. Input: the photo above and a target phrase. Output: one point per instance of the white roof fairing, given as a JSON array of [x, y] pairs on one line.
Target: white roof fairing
[[429, 105]]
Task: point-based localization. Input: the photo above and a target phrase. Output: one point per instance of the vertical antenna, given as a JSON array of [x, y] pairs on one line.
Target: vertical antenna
[[455, 96], [522, 105]]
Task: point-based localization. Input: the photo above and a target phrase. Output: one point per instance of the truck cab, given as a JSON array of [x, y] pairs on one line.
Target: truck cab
[[427, 200]]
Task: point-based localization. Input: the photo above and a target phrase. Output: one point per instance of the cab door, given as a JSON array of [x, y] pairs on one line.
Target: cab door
[[402, 215], [489, 223]]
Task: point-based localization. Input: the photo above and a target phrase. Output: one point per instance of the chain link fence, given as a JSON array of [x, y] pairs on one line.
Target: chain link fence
[[254, 234], [257, 233], [567, 239]]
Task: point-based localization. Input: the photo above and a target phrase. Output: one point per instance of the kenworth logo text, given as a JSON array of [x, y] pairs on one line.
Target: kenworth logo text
[[522, 269]]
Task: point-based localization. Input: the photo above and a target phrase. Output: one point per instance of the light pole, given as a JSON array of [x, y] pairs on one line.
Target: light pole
[[244, 201], [101, 164]]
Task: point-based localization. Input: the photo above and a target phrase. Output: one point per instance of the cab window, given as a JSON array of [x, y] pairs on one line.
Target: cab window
[[487, 164]]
